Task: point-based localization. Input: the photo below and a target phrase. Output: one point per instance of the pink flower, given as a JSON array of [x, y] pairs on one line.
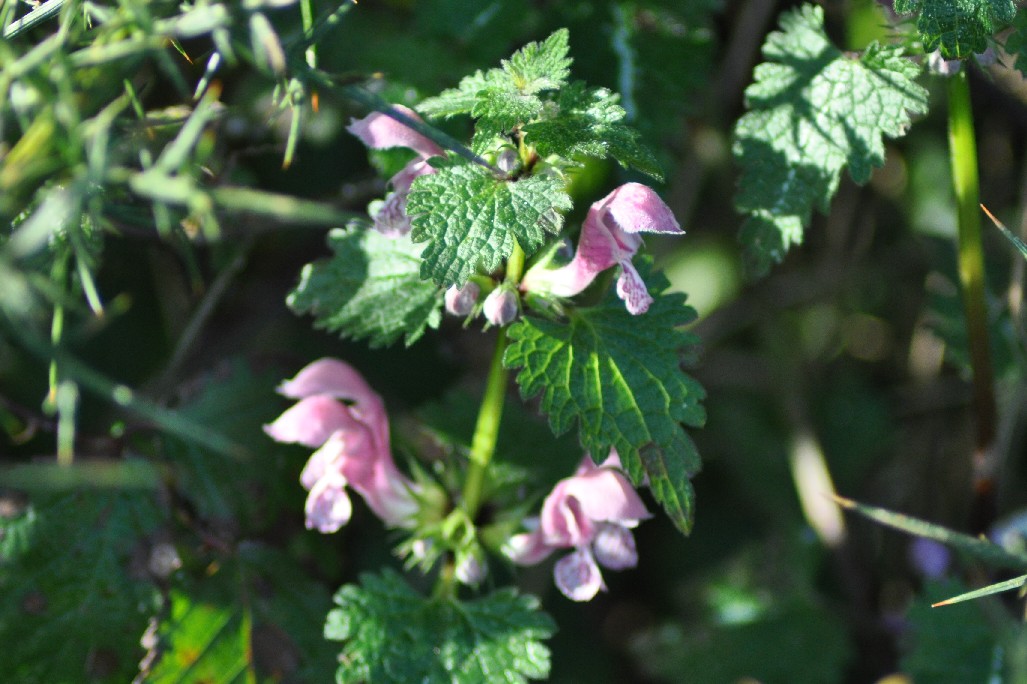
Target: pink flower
[[609, 236], [380, 131], [592, 512], [344, 419]]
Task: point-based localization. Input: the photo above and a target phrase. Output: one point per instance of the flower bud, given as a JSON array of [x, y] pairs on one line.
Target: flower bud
[[501, 306], [507, 160], [471, 567], [460, 301]]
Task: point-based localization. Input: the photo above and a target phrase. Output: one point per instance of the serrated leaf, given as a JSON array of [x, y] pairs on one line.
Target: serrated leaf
[[470, 219], [504, 98], [619, 378], [540, 66], [392, 633], [958, 28], [588, 123], [813, 111], [371, 288], [71, 607]]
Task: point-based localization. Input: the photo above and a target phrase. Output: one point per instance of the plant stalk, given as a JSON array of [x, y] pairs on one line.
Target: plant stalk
[[963, 160], [486, 430]]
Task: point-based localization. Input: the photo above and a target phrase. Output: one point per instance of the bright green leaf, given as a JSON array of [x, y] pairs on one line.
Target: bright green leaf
[[813, 111], [392, 633], [958, 28], [589, 124], [370, 288], [471, 219], [619, 378]]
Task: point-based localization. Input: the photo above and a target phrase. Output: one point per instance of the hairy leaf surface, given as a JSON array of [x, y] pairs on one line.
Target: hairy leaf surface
[[371, 288], [392, 633], [619, 378], [813, 111]]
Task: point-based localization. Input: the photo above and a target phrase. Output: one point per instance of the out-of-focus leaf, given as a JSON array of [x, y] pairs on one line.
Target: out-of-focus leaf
[[954, 644], [74, 592]]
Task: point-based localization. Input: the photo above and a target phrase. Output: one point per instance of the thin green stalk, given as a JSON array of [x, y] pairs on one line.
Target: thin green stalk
[[486, 430], [963, 159]]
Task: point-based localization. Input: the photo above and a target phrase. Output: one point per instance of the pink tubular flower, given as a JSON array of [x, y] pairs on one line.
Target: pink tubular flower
[[341, 416], [592, 512], [609, 236], [380, 131]]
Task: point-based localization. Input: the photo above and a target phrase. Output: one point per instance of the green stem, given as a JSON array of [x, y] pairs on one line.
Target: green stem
[[963, 159], [486, 430]]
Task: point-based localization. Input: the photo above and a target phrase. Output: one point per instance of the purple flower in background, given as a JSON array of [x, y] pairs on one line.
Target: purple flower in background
[[380, 131], [609, 236], [593, 513], [344, 419]]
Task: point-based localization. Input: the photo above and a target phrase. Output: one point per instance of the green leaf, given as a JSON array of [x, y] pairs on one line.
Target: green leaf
[[813, 111], [72, 603], [204, 639], [471, 219], [370, 288], [958, 28], [619, 377], [952, 644], [392, 633], [254, 617], [588, 124], [504, 98], [997, 588], [1016, 43]]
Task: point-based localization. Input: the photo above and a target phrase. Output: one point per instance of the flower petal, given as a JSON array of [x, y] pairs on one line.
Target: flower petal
[[614, 547], [563, 522], [636, 208], [527, 548], [631, 288], [605, 495], [380, 131], [328, 506], [577, 576], [310, 422]]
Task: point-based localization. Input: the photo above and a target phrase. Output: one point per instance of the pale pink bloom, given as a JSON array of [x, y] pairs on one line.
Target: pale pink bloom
[[380, 131], [500, 306], [460, 301], [592, 512], [610, 236], [341, 416]]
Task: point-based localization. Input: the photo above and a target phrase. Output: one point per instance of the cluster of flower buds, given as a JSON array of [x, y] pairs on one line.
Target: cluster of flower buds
[[341, 416], [592, 512]]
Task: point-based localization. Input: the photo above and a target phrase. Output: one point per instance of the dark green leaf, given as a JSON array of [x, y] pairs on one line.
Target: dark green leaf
[[471, 219], [392, 633], [619, 378], [370, 288], [589, 123], [952, 644], [958, 28], [813, 111], [74, 596]]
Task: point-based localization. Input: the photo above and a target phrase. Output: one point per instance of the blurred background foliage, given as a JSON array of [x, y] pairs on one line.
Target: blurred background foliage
[[148, 240]]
